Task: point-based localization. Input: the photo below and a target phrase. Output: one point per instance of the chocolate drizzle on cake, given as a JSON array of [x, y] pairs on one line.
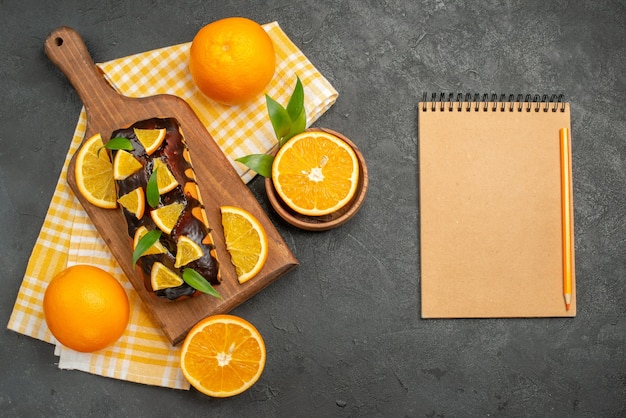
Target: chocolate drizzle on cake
[[192, 222]]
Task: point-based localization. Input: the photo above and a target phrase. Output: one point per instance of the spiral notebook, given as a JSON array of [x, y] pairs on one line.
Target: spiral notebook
[[491, 224]]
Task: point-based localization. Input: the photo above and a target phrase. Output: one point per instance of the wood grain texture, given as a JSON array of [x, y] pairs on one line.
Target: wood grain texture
[[218, 181]]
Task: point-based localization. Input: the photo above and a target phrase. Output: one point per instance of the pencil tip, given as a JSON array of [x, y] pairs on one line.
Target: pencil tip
[[567, 306]]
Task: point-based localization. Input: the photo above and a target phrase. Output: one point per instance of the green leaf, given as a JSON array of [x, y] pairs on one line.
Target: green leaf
[[260, 163], [119, 142], [144, 243], [281, 122], [152, 190], [297, 125], [296, 103], [286, 122], [195, 280]]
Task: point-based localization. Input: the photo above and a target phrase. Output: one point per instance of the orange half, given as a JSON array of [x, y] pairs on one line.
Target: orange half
[[223, 355], [315, 173]]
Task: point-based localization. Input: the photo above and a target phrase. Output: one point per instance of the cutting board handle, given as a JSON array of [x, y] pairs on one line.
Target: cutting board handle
[[65, 48]]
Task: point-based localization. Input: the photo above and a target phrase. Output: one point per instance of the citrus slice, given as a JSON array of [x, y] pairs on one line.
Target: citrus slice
[[166, 217], [156, 248], [315, 173], [162, 277], [124, 165], [187, 251], [165, 179], [134, 202], [223, 355], [246, 242], [151, 139], [94, 174]]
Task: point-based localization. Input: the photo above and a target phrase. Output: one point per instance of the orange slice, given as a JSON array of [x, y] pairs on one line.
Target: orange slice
[[166, 217], [162, 277], [94, 174], [151, 139], [165, 179], [187, 251], [223, 355], [156, 248], [134, 202], [246, 242], [315, 173], [124, 165]]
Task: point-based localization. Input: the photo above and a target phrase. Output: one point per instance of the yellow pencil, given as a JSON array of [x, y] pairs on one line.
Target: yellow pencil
[[566, 204]]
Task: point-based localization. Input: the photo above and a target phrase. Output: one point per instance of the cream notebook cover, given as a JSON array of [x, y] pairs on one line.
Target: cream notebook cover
[[490, 207]]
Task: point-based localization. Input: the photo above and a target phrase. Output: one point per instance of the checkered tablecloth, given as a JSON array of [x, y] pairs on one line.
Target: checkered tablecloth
[[143, 354]]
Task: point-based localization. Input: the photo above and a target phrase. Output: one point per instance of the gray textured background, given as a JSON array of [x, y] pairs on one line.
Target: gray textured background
[[343, 331]]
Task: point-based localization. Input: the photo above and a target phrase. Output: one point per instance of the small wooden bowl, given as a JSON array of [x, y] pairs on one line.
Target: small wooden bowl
[[325, 222]]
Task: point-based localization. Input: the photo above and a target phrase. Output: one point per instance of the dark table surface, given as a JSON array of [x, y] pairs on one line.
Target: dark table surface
[[343, 331]]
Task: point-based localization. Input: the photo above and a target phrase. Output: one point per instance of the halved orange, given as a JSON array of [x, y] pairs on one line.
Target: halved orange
[[315, 173], [134, 202], [223, 355], [166, 217], [125, 164], [151, 139], [156, 248], [246, 242], [162, 277], [94, 174], [187, 250], [166, 181]]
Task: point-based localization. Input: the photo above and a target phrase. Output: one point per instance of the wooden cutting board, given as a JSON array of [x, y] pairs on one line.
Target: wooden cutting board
[[218, 181]]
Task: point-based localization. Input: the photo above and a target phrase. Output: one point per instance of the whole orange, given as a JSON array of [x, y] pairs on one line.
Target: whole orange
[[86, 308], [232, 60]]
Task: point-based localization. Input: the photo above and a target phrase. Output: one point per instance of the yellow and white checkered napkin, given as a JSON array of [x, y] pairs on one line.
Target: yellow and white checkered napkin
[[143, 354]]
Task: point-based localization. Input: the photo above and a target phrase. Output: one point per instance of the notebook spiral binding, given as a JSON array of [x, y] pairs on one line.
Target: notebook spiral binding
[[493, 102]]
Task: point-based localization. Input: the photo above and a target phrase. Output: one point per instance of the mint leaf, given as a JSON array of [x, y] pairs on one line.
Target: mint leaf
[[195, 280], [144, 243], [152, 190], [260, 163]]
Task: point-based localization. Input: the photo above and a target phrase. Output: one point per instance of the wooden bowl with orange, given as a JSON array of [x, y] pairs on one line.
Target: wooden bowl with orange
[[310, 218]]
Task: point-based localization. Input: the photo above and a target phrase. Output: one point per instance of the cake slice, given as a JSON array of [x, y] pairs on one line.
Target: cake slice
[[177, 211]]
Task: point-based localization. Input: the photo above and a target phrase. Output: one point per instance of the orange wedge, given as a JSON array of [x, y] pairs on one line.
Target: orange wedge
[[223, 355], [162, 277], [166, 181], [187, 251], [134, 202], [94, 174], [156, 248], [124, 165], [315, 173], [151, 139], [246, 242], [166, 217]]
